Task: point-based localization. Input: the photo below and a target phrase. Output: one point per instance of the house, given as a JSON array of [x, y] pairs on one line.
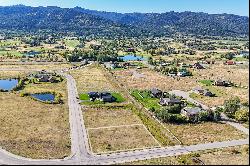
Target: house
[[93, 95], [102, 96], [191, 112], [46, 78], [198, 90], [198, 66], [204, 92], [106, 97], [130, 50], [230, 62], [156, 93], [172, 74], [182, 73], [168, 101], [222, 83], [207, 93], [110, 65]]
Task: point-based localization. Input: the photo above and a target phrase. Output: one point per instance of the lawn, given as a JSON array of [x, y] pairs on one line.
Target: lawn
[[237, 155], [104, 117], [120, 138], [147, 101], [86, 99], [206, 132], [207, 82]]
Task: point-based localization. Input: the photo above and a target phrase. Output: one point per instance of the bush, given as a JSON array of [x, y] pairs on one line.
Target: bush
[[176, 109], [231, 106], [242, 115]]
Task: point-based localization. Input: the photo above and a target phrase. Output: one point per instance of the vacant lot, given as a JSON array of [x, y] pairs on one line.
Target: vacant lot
[[237, 155], [190, 134], [33, 129], [236, 74], [49, 67], [91, 78], [153, 79], [12, 74], [104, 117], [120, 138]]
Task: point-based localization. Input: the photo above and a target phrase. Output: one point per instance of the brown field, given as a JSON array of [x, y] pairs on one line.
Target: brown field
[[12, 74], [33, 129], [153, 79], [233, 73], [206, 132], [101, 117], [120, 138], [49, 67], [91, 78], [223, 93], [237, 155]]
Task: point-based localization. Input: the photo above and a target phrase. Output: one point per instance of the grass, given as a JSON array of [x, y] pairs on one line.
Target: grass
[[91, 79], [206, 132], [120, 138], [103, 117], [11, 53], [222, 156], [207, 82], [72, 43], [84, 96], [144, 98], [33, 129], [86, 99], [118, 96], [240, 59]]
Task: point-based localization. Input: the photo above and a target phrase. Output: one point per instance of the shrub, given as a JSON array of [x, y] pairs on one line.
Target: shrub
[[231, 106], [242, 115]]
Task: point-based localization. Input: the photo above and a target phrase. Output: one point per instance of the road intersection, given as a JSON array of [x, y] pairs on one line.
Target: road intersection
[[80, 151]]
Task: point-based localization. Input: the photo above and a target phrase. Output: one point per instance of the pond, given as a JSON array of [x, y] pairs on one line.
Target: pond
[[8, 84], [32, 53], [132, 58], [44, 97]]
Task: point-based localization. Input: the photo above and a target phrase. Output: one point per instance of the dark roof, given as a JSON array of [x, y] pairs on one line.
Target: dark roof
[[155, 91], [192, 111]]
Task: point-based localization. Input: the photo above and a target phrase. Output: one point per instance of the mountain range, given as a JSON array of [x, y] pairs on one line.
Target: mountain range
[[110, 24]]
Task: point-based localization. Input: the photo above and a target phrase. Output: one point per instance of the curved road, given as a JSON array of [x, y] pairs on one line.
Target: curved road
[[80, 151]]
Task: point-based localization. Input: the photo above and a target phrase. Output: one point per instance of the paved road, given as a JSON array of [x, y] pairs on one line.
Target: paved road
[[185, 95], [80, 149]]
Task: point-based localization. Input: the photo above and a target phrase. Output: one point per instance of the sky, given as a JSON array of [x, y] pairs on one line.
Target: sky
[[238, 7]]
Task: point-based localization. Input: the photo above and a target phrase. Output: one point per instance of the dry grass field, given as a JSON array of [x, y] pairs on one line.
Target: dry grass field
[[149, 79], [120, 138], [153, 79], [91, 78], [48, 67], [206, 132], [12, 74], [100, 117], [237, 155], [115, 128], [33, 129]]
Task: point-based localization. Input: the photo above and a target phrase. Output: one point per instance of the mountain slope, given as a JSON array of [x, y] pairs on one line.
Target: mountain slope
[[91, 22]]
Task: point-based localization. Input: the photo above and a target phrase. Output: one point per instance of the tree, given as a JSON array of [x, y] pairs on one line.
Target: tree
[[231, 106], [150, 61], [242, 115]]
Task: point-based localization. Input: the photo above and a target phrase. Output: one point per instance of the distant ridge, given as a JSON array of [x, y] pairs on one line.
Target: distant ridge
[[91, 22]]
